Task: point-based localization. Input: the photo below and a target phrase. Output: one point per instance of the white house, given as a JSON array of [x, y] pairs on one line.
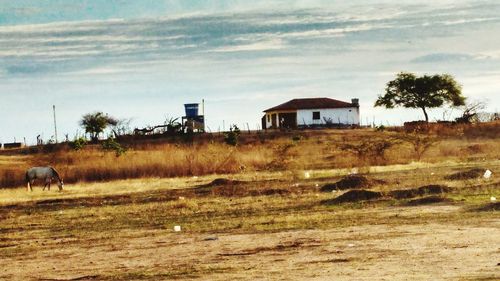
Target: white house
[[312, 112]]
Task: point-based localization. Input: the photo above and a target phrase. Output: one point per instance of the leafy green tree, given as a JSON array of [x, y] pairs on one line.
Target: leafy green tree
[[428, 91], [95, 123]]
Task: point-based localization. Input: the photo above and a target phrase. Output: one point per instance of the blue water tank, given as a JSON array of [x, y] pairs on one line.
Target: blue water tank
[[191, 109]]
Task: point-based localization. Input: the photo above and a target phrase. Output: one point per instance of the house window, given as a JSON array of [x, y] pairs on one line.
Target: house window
[[316, 115]]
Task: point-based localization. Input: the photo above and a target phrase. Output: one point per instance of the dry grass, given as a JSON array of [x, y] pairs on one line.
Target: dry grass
[[303, 150], [117, 230]]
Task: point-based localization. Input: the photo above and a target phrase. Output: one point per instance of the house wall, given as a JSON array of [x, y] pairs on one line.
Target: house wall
[[269, 119], [348, 116]]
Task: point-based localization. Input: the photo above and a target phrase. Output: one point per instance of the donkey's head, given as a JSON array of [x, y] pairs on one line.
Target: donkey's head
[[60, 184]]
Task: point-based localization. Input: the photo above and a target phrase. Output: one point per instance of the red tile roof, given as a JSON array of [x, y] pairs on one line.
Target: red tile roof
[[311, 103]]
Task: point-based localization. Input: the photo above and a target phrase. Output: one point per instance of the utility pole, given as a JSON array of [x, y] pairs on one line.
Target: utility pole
[[55, 123]]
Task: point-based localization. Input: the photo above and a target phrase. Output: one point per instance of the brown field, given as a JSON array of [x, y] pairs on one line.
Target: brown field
[[256, 212]]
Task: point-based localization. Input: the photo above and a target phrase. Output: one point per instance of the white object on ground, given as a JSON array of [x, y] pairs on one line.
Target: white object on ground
[[487, 174], [177, 228], [350, 245], [354, 171], [317, 185], [307, 175], [493, 199], [181, 198]]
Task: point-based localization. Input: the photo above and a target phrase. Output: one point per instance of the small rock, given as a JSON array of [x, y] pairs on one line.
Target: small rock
[[307, 175], [182, 198], [177, 228], [487, 174], [493, 199]]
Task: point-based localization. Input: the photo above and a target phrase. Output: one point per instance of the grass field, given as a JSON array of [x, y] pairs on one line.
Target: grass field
[[269, 222]]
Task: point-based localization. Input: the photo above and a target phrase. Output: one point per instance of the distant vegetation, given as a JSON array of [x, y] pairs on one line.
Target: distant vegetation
[[264, 151], [95, 123], [411, 91]]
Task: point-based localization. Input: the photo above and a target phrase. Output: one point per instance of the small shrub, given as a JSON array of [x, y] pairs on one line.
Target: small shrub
[[113, 145], [370, 151], [78, 143], [421, 143], [232, 137]]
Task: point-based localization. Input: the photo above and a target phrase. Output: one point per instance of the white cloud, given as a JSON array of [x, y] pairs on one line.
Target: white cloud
[[275, 44]]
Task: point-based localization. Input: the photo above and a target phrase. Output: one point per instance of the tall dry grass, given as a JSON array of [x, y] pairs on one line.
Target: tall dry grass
[[300, 150]]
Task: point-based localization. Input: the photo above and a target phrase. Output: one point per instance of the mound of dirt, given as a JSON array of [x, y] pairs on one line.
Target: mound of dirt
[[415, 192], [428, 200], [222, 181], [467, 175], [495, 206], [220, 186], [228, 190], [434, 189], [354, 196], [350, 182]]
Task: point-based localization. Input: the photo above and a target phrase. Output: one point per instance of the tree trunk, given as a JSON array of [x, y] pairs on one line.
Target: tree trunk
[[426, 116]]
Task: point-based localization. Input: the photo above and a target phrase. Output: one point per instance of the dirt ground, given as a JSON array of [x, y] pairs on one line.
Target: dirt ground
[[365, 252], [246, 230]]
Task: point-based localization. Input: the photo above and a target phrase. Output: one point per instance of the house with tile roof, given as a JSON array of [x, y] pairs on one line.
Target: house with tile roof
[[312, 112]]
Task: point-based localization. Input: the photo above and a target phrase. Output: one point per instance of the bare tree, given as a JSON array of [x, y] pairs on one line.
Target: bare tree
[[470, 111]]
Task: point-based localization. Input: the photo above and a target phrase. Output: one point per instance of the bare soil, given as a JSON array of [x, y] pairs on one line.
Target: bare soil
[[365, 252], [279, 229], [351, 182], [467, 175]]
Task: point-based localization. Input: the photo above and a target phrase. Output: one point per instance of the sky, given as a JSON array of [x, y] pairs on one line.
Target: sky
[[144, 59]]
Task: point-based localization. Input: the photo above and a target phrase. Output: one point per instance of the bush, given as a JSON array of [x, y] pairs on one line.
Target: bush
[[78, 143], [231, 137], [113, 145]]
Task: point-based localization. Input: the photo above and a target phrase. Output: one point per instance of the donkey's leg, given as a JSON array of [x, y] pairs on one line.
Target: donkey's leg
[[30, 184]]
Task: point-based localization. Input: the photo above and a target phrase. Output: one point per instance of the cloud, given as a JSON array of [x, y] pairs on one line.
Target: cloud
[[274, 44], [444, 57], [268, 33]]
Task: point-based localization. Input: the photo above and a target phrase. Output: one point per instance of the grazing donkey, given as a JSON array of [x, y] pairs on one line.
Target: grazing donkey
[[46, 173]]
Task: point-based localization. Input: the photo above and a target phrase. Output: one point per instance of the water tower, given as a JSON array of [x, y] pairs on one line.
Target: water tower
[[193, 121]]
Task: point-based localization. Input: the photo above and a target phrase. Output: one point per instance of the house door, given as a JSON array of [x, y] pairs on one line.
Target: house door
[[288, 120]]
